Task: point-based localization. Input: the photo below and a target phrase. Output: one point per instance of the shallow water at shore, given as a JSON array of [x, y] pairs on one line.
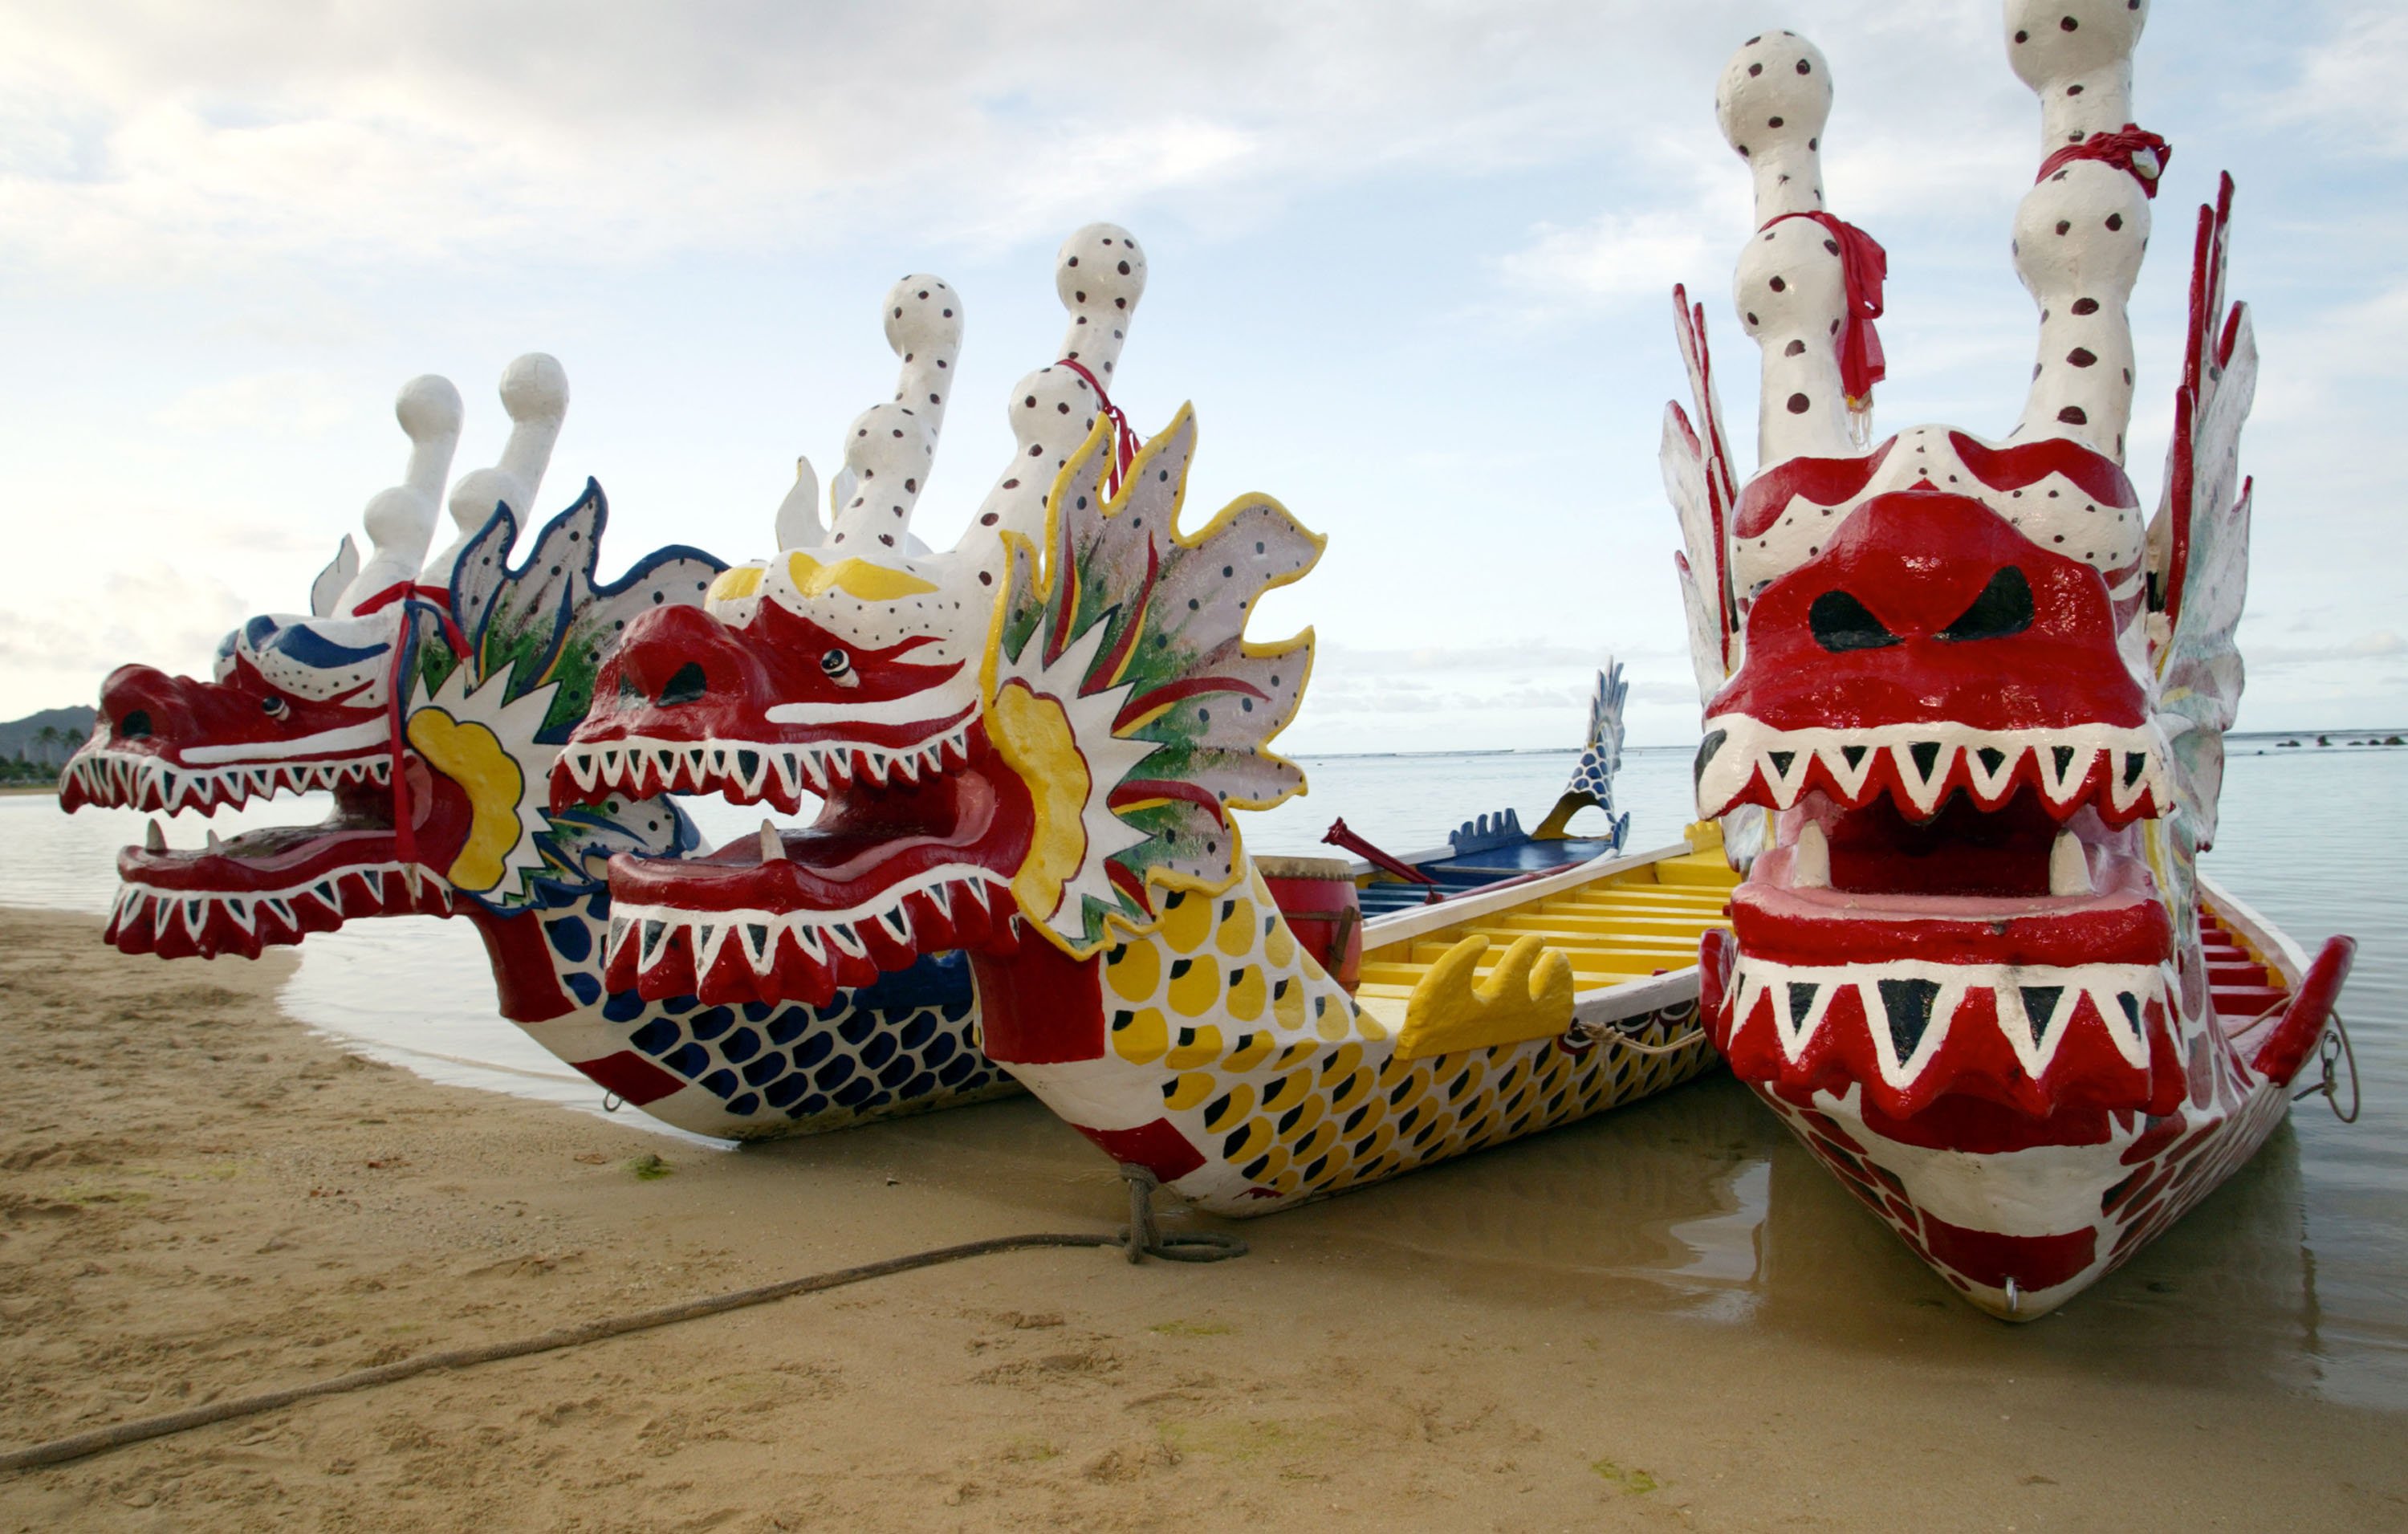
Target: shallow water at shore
[[2294, 1275]]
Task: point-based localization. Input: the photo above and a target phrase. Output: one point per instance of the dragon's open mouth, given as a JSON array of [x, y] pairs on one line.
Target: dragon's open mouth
[[912, 853], [274, 885], [2007, 951]]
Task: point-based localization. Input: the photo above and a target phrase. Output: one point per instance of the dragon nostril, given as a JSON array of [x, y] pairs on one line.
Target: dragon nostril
[[685, 686], [135, 726]]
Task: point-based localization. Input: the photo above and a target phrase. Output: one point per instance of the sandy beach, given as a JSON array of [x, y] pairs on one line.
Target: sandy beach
[[200, 1198]]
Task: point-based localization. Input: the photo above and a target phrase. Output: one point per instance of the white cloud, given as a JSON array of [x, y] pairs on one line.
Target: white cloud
[[1615, 259], [291, 401], [2346, 86]]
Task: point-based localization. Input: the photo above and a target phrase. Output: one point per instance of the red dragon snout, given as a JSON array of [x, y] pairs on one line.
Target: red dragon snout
[[770, 710], [171, 743]]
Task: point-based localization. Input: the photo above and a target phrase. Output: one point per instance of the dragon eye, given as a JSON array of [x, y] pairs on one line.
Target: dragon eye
[[273, 706], [838, 667], [2002, 610], [1841, 622]]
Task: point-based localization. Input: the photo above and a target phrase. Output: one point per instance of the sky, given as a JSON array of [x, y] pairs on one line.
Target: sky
[[1411, 260]]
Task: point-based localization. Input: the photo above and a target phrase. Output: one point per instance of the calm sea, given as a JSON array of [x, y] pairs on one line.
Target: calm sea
[[2295, 1274]]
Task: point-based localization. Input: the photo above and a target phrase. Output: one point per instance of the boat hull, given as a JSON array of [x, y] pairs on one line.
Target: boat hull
[[2020, 1215]]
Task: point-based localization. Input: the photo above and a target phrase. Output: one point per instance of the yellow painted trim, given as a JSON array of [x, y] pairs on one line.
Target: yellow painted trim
[[1527, 996], [1032, 734], [736, 583], [473, 756], [854, 576]]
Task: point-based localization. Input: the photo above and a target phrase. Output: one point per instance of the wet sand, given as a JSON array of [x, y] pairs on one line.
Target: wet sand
[[199, 1198]]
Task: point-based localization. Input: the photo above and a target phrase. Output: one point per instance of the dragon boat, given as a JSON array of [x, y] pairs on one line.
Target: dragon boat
[[1490, 851], [430, 703], [1078, 716], [1964, 709]]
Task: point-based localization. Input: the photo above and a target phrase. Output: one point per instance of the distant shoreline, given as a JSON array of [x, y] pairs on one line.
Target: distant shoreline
[[2341, 738]]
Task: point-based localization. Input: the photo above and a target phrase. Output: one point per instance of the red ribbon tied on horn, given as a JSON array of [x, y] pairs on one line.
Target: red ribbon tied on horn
[[1124, 448], [2136, 151], [1864, 266]]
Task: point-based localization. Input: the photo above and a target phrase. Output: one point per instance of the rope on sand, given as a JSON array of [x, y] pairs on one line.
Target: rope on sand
[[1140, 1239]]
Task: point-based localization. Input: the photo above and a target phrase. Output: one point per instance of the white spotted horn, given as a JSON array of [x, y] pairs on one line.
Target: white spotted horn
[[2081, 230], [535, 393], [401, 521], [893, 447], [1099, 273], [1791, 285]]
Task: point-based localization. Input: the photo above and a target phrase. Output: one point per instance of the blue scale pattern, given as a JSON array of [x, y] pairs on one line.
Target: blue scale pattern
[[904, 1039]]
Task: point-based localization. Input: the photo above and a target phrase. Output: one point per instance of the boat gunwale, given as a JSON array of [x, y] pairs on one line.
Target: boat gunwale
[[1598, 1005]]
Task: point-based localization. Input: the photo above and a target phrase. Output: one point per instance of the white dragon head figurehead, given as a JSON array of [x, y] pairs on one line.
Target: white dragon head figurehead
[[428, 697], [1964, 701], [1044, 722]]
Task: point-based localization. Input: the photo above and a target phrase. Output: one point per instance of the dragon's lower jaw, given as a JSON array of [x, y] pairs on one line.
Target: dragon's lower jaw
[[273, 886], [885, 875], [1981, 982]]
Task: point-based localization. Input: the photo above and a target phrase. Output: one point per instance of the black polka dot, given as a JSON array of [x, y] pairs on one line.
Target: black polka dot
[[2115, 221], [2081, 356], [2073, 415], [1795, 349], [1777, 285], [2085, 305], [1798, 404]]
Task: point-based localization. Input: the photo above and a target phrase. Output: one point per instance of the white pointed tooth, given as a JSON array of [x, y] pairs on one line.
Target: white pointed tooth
[[790, 775], [907, 766], [1810, 859], [154, 839], [2069, 866], [773, 847], [815, 773], [580, 768], [217, 848]]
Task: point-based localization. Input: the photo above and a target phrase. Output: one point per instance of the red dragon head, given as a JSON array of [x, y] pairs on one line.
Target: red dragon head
[[429, 703], [989, 744], [1964, 703]]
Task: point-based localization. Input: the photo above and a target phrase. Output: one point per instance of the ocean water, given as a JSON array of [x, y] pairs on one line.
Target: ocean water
[[2294, 1274]]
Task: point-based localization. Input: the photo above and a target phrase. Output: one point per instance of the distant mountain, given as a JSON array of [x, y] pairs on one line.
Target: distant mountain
[[25, 738]]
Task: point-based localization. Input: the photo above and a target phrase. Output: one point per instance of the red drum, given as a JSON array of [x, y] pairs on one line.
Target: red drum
[[1318, 896]]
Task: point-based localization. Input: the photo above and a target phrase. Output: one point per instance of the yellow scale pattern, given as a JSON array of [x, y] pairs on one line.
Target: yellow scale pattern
[[1293, 1091]]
